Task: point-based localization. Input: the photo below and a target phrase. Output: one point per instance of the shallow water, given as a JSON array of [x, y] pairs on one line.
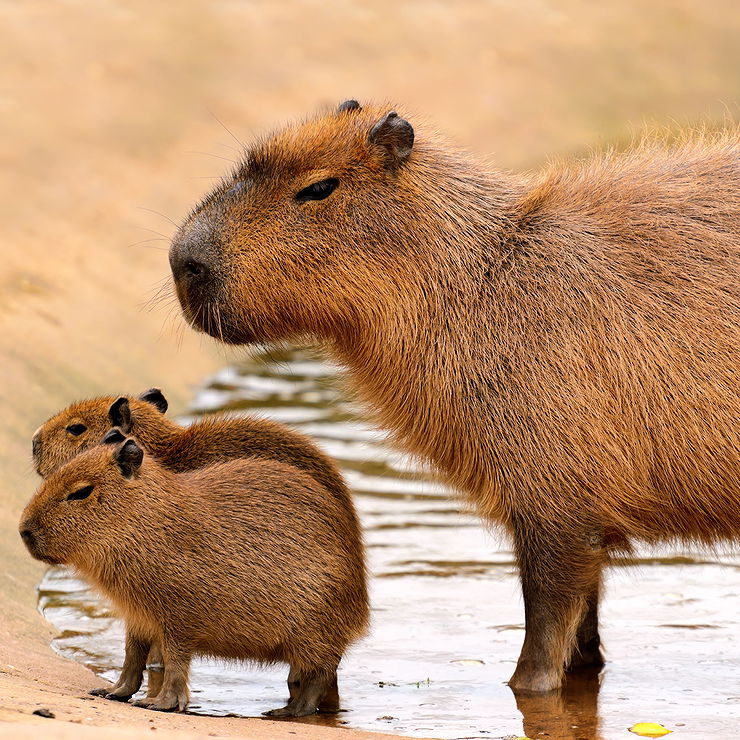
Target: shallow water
[[447, 614]]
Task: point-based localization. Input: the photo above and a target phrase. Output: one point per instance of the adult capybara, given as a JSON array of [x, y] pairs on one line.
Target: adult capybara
[[563, 347], [248, 559], [215, 438]]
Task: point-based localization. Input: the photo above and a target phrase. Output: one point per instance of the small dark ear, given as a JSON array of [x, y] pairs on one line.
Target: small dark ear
[[129, 457], [112, 437], [156, 398], [395, 135], [349, 105], [119, 414]]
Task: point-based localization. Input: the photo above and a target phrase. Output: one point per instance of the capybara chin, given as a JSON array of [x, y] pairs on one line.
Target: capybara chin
[[215, 438], [249, 559], [563, 347]]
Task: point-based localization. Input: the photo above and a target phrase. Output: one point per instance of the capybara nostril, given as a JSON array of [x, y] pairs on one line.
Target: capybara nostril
[[194, 269], [27, 537], [184, 267]]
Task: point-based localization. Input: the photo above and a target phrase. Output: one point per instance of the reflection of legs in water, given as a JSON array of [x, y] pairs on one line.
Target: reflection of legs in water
[[568, 714]]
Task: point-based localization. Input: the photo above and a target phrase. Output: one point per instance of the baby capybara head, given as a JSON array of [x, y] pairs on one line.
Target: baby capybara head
[[81, 501], [309, 222], [82, 425]]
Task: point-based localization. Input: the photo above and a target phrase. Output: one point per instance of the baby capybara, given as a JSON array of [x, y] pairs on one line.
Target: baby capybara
[[215, 438], [249, 559], [563, 347]]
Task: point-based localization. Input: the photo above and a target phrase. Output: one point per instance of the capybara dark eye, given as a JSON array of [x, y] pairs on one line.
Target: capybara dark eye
[[317, 191], [76, 429], [80, 493]]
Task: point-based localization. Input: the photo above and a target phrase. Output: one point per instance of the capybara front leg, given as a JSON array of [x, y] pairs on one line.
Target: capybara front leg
[[558, 570], [129, 682], [173, 695], [587, 652], [313, 687]]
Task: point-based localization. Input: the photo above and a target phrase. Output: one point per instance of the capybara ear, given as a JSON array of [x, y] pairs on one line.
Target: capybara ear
[[395, 135], [119, 414], [129, 457], [348, 105], [156, 398], [112, 437]]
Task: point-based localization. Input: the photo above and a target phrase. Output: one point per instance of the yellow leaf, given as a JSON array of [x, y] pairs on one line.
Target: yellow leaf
[[649, 729]]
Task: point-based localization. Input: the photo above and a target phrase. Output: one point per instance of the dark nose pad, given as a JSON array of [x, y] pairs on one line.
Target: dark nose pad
[[187, 258], [27, 537]]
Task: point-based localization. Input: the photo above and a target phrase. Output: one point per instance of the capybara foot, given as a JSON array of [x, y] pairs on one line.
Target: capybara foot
[[121, 694], [291, 709], [169, 702], [311, 690], [534, 679]]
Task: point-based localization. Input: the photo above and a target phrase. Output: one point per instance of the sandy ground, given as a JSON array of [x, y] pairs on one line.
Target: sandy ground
[[105, 111]]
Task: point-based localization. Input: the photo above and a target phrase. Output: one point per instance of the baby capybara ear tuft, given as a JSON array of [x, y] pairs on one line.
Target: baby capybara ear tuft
[[112, 437], [129, 457], [119, 414], [156, 398], [395, 136], [349, 105]]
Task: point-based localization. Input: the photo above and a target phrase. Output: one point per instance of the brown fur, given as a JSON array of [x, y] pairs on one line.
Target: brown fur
[[216, 438], [564, 348], [248, 559]]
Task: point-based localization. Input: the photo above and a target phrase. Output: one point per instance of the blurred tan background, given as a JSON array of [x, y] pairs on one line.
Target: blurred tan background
[[108, 109]]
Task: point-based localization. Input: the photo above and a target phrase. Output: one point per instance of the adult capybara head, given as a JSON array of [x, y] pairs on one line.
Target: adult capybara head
[[82, 425], [309, 223], [81, 501]]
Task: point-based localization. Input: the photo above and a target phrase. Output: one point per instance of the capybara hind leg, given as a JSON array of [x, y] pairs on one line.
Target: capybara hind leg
[[313, 687], [129, 682], [330, 701], [154, 670], [558, 570], [587, 652], [294, 681], [173, 696]]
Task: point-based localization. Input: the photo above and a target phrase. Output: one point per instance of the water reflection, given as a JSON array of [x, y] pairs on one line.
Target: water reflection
[[447, 615], [570, 714]]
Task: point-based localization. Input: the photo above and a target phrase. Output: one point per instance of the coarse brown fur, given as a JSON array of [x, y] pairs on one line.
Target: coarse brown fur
[[215, 438], [564, 347], [248, 559]]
